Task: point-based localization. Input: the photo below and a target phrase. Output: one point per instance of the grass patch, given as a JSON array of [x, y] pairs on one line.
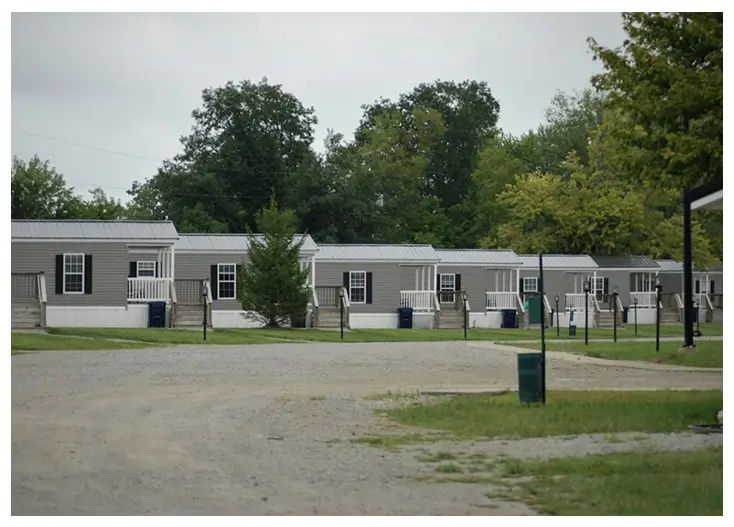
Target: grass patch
[[391, 396], [164, 336], [449, 468], [567, 413], [392, 442], [318, 398], [20, 342], [437, 457], [635, 483], [708, 353]]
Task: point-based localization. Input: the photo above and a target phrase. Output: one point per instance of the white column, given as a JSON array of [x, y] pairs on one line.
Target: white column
[[517, 280], [313, 271], [417, 271], [435, 279], [173, 260]]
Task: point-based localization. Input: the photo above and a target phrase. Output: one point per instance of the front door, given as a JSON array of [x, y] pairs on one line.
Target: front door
[[535, 307]]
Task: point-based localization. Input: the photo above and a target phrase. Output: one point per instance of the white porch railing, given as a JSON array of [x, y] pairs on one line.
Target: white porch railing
[[644, 299], [577, 301], [505, 300], [140, 290], [418, 300]]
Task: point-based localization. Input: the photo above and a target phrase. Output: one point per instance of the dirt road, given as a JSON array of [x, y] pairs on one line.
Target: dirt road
[[253, 429]]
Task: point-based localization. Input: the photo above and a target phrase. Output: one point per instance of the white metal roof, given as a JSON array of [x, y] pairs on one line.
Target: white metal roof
[[92, 230], [378, 252], [559, 261], [502, 257], [229, 242], [670, 266]]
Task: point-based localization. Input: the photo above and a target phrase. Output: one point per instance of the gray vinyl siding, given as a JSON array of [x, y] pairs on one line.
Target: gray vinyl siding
[[388, 279], [197, 266], [619, 280], [109, 270], [476, 281], [671, 282], [557, 282]]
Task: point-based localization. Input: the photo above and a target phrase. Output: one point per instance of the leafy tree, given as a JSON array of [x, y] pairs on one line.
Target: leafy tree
[[273, 288], [145, 202], [39, 192], [246, 140], [101, 207], [668, 78]]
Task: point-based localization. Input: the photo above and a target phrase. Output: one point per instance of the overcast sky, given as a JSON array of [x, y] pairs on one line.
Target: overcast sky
[[128, 82]]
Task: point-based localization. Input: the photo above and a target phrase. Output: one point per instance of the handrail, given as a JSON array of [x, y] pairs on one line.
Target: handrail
[[708, 303], [548, 308], [208, 289], [620, 307], [174, 297], [346, 297], [595, 303], [467, 307], [520, 303], [678, 301], [436, 301], [42, 288], [314, 297]]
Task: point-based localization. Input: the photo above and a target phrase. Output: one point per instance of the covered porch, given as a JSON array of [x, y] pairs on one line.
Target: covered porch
[[504, 291], [642, 289], [576, 301], [151, 275], [423, 297]]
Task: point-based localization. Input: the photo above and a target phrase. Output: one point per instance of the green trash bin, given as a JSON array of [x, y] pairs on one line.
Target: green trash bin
[[530, 377]]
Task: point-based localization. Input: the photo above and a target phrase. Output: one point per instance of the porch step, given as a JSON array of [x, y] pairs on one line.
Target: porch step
[[669, 315], [189, 316], [328, 317], [25, 313], [451, 319], [605, 319]]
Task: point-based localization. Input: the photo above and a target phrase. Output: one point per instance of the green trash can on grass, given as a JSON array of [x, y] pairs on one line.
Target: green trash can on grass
[[530, 377]]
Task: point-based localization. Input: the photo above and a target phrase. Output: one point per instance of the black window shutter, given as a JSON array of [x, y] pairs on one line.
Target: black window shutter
[[522, 286], [606, 286], [369, 288], [59, 274], [87, 274], [238, 268], [698, 287], [457, 283], [345, 281], [438, 282], [215, 287], [155, 273], [133, 270], [712, 288]]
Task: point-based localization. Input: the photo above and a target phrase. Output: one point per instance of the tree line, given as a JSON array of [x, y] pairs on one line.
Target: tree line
[[603, 174]]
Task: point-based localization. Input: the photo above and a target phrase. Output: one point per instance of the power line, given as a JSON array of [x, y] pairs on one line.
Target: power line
[[87, 147]]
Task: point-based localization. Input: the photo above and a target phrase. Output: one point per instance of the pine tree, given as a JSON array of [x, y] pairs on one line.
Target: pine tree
[[273, 288]]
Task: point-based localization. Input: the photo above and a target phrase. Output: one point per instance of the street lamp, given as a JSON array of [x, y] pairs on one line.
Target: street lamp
[[587, 288], [558, 325], [614, 300], [697, 305], [204, 295], [658, 289], [634, 301], [463, 307]]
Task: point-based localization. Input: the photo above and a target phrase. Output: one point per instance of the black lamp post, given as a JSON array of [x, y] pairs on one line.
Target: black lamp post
[[463, 307], [658, 289], [558, 324], [697, 305], [587, 288], [634, 301], [341, 312], [204, 294], [614, 300]]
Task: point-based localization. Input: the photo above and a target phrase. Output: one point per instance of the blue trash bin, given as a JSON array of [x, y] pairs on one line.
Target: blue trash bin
[[509, 319], [405, 318], [156, 314]]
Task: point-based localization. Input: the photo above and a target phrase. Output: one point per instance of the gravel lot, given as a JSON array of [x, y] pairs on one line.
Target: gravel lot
[[266, 429]]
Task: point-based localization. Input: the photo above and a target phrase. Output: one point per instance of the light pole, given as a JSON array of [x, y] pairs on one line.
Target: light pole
[[587, 288], [697, 305], [658, 289], [463, 307], [341, 312], [614, 299], [204, 295], [634, 301], [558, 324]]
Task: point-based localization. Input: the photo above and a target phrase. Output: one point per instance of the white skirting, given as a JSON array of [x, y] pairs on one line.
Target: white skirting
[[237, 319], [373, 320], [485, 319], [131, 316]]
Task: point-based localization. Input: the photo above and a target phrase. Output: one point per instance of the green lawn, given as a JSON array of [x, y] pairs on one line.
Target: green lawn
[[708, 354], [566, 413], [43, 342], [624, 484], [155, 336]]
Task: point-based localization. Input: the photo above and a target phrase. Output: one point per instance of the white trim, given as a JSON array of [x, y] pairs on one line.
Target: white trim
[[537, 284], [629, 269], [351, 296], [701, 203], [482, 265], [402, 263], [137, 268], [129, 241], [220, 281], [64, 274], [441, 291]]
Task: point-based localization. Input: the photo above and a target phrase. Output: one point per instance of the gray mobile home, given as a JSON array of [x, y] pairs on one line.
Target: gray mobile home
[[488, 277], [77, 272], [374, 281], [207, 267]]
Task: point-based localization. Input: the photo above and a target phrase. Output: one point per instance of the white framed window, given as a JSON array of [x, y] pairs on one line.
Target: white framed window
[[530, 284], [358, 287], [447, 282], [599, 286], [227, 281], [146, 269], [73, 274]]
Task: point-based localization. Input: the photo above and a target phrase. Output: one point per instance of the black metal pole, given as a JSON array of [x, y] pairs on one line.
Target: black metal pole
[[614, 299], [635, 319], [341, 315], [586, 322], [542, 321], [463, 307], [687, 273], [558, 321], [658, 287], [205, 312]]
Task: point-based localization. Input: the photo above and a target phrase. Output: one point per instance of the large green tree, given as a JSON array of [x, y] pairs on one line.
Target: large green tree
[[272, 286], [38, 191], [247, 140], [668, 78]]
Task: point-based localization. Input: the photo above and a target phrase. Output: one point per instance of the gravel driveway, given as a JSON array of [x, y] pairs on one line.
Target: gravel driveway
[[254, 429]]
